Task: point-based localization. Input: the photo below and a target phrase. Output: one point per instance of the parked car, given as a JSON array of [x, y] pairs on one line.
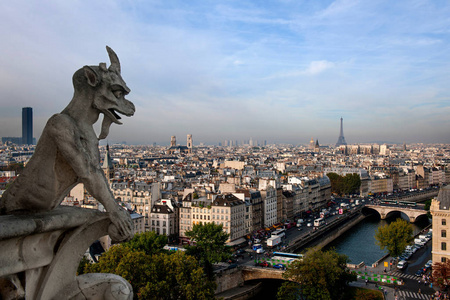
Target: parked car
[[402, 264], [263, 264], [279, 266]]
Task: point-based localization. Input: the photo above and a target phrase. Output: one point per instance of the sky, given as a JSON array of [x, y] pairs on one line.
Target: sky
[[282, 71]]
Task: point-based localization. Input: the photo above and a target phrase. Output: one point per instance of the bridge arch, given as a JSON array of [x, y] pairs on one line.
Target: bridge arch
[[386, 211]]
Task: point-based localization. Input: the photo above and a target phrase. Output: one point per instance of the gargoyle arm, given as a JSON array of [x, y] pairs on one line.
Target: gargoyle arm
[[86, 166]]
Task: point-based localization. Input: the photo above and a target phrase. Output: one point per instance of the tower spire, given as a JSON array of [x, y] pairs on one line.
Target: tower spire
[[341, 140]]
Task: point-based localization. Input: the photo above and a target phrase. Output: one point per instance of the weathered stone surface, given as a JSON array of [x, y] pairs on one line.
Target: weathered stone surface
[[42, 243], [67, 152]]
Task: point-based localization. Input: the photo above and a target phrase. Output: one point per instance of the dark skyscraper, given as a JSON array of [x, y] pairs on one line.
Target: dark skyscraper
[[341, 140], [27, 126]]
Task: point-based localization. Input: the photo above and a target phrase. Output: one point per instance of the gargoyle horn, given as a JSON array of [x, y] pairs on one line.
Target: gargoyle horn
[[115, 63]]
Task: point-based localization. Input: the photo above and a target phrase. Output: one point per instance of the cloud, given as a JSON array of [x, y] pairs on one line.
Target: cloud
[[316, 67]]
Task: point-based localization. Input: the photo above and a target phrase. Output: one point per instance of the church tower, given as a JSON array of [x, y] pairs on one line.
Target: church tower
[[107, 166], [173, 141], [189, 143], [317, 147]]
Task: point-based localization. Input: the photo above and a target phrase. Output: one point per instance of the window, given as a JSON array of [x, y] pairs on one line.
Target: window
[[443, 246], [444, 222], [443, 259], [443, 233]]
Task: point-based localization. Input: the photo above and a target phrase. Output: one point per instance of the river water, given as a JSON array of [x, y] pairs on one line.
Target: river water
[[359, 244]]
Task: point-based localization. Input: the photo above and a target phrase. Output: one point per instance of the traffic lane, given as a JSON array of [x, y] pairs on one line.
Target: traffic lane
[[419, 259]]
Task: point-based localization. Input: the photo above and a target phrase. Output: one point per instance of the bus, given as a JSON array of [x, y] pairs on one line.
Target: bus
[[318, 222], [288, 255], [386, 201], [284, 258], [279, 232], [408, 203]]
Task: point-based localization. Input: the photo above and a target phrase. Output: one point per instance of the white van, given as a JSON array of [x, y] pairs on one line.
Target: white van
[[402, 264]]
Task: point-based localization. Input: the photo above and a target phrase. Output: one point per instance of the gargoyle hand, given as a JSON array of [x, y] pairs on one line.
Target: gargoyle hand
[[121, 228]]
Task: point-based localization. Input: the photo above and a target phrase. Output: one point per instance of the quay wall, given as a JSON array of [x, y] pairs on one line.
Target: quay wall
[[339, 230], [327, 233]]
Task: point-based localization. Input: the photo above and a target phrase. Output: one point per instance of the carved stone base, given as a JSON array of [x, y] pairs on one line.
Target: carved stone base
[[40, 254]]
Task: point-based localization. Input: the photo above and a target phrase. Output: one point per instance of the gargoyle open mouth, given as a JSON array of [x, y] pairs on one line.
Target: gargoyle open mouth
[[113, 112]]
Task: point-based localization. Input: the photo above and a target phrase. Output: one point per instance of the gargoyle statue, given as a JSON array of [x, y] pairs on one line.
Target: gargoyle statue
[[67, 152]]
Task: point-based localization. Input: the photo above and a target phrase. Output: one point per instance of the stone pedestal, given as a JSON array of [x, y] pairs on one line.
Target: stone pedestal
[[40, 253]]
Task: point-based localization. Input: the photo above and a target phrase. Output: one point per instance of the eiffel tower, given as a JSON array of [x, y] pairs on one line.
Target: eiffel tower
[[341, 140]]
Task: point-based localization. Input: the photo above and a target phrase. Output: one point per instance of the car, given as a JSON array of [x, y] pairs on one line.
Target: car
[[309, 224], [419, 272], [263, 264], [232, 266], [260, 250], [402, 264], [429, 263], [279, 266]]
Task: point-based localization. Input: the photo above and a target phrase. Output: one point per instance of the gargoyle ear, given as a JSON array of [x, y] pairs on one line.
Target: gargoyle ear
[[91, 75]]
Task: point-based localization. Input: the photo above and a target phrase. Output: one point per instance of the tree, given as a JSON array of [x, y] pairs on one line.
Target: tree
[[209, 245], [344, 185], [320, 275], [395, 236], [336, 183], [149, 242], [352, 183], [175, 275], [441, 274], [157, 276]]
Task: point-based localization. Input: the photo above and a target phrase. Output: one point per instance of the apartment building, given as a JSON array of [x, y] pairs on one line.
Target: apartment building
[[440, 210]]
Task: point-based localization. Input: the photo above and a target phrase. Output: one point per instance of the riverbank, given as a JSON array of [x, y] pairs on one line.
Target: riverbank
[[327, 233]]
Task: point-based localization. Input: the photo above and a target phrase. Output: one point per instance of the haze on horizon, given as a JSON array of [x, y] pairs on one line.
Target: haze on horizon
[[281, 71]]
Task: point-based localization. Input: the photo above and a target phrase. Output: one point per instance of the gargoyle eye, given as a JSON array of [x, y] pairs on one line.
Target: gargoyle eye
[[118, 93]]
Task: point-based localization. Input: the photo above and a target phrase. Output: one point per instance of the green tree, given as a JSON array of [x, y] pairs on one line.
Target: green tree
[[344, 185], [149, 242], [323, 276], [351, 183], [336, 183], [395, 236], [209, 245], [177, 275], [157, 276]]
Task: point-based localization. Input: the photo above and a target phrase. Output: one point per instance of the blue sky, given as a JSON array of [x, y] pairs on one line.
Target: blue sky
[[281, 71]]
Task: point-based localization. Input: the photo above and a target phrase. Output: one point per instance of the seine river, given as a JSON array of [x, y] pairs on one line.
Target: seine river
[[358, 243]]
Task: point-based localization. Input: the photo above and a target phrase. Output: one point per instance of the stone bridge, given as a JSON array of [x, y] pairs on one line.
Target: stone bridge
[[385, 210], [236, 277], [252, 273]]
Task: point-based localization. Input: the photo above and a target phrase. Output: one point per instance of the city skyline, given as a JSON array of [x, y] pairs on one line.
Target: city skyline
[[283, 72]]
